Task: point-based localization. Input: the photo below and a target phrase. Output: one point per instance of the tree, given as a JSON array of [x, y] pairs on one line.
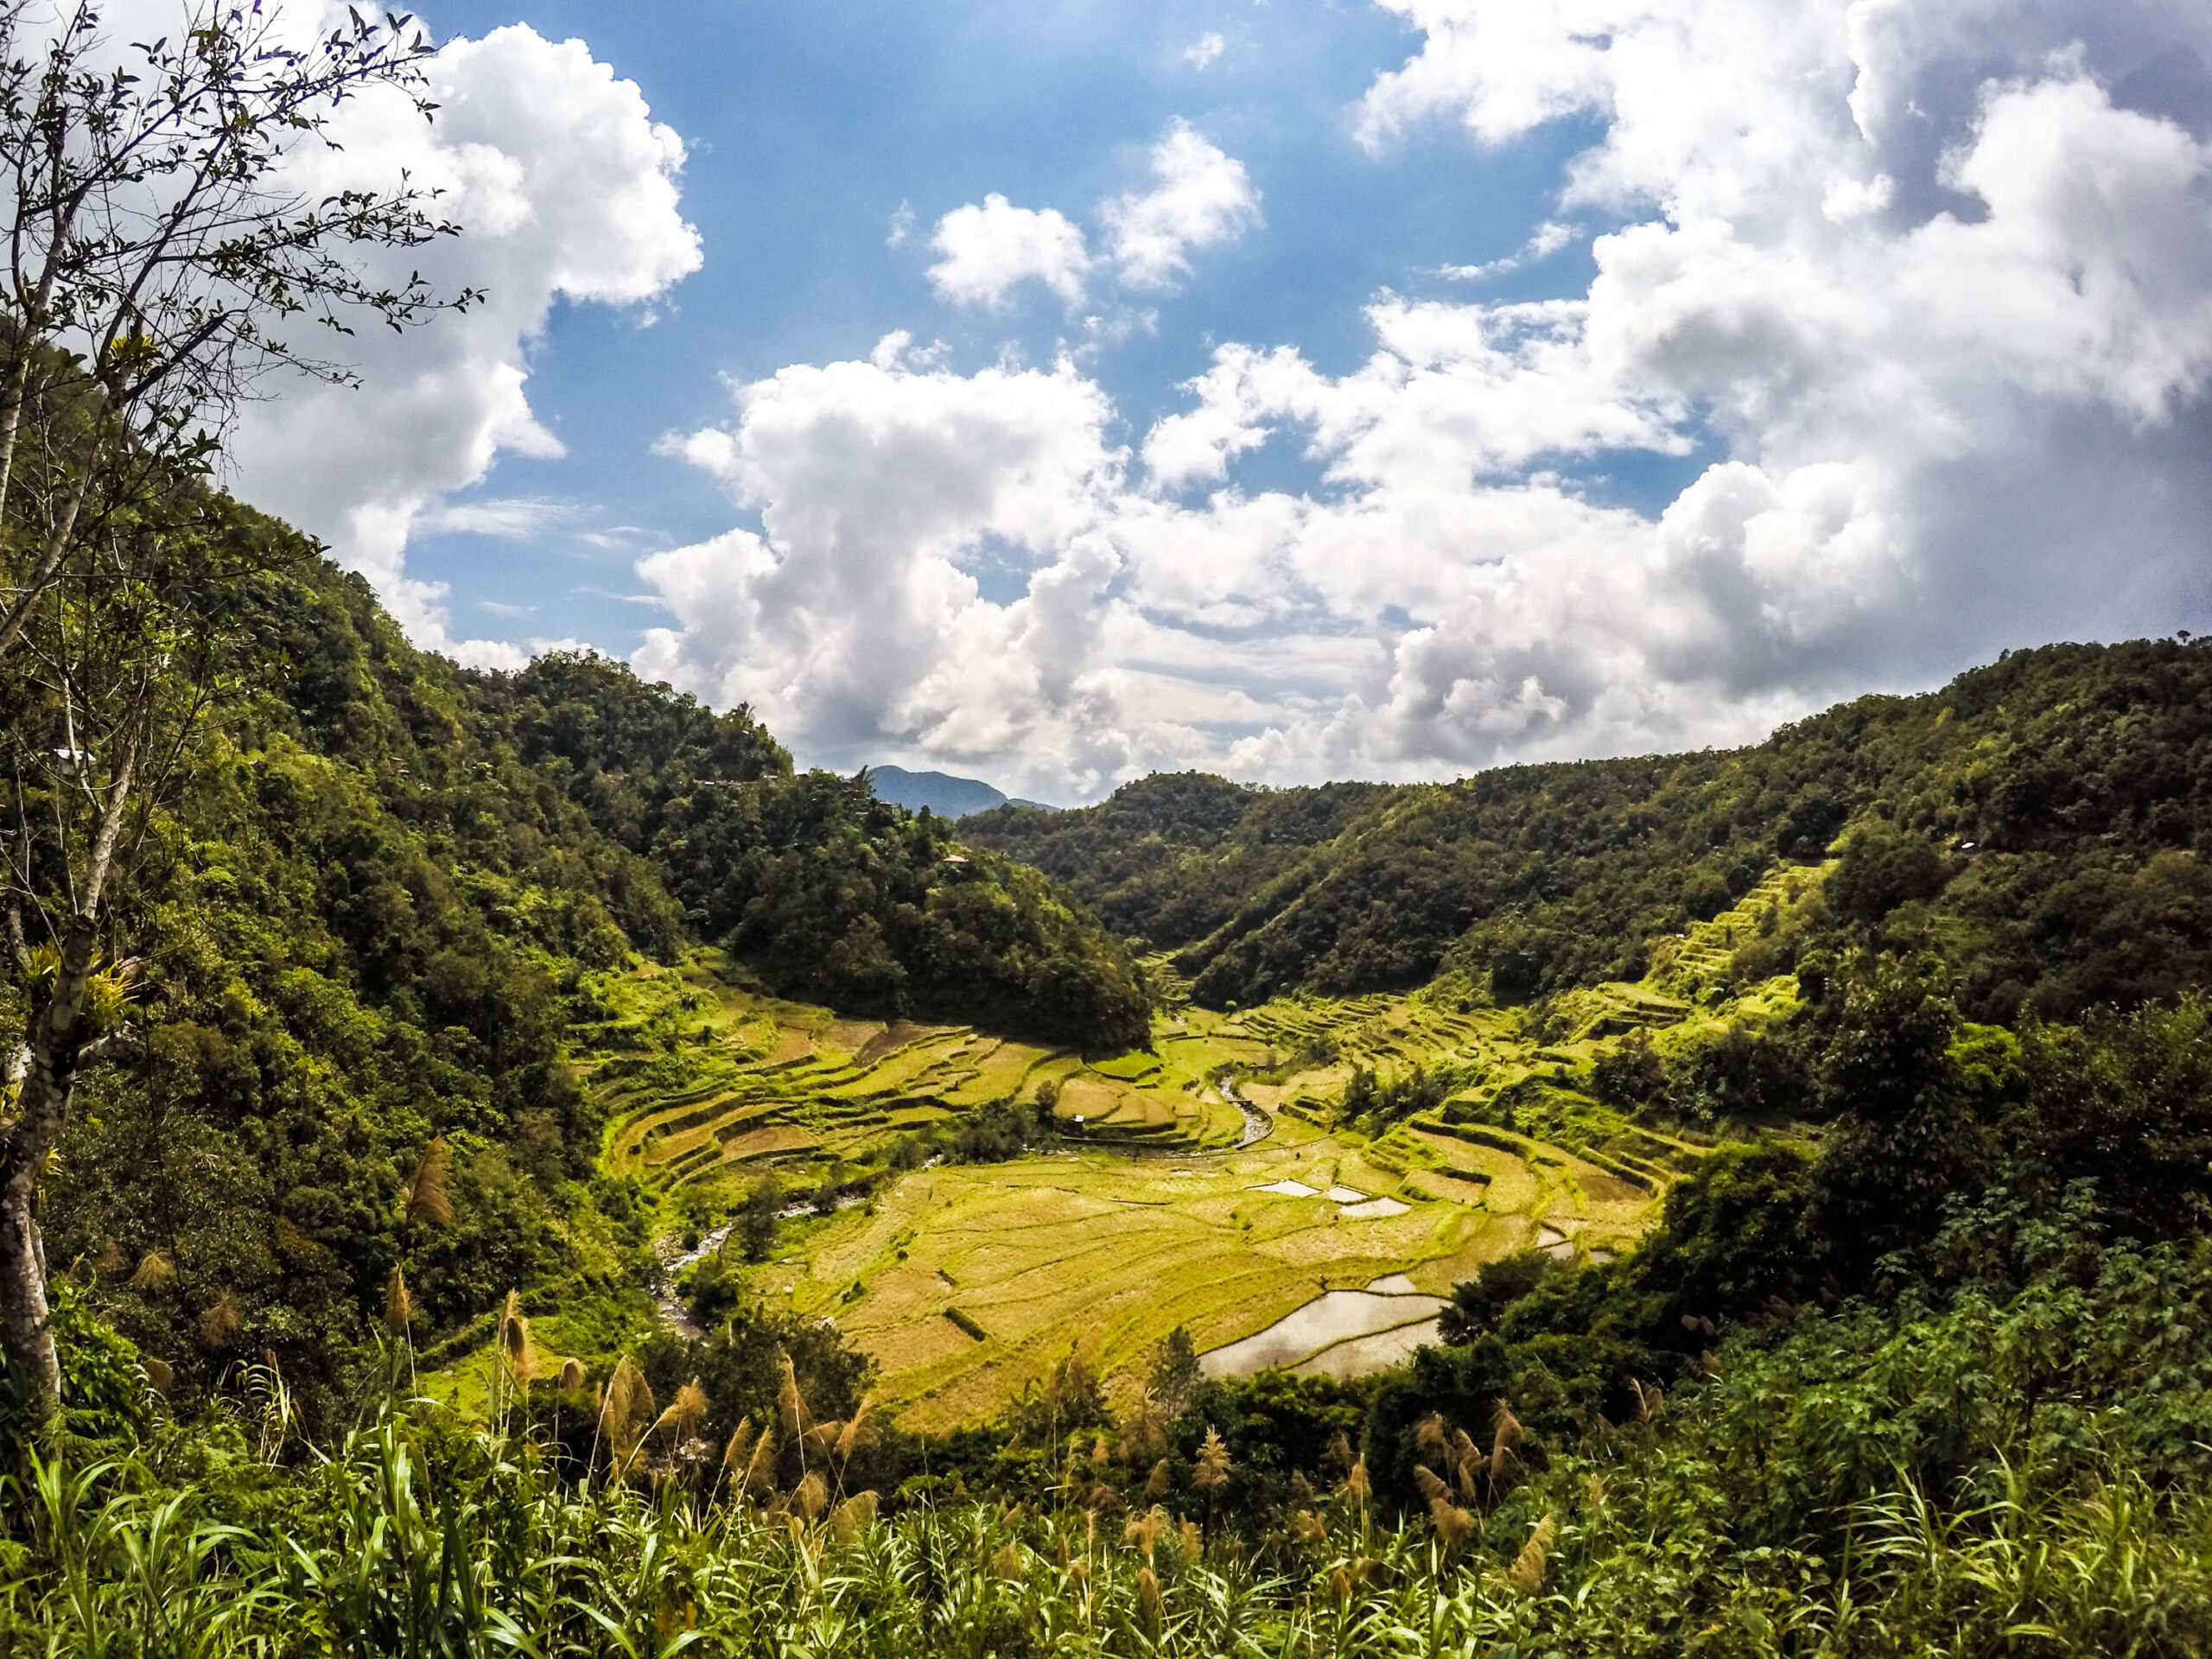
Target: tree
[[154, 253], [1906, 1136], [1175, 1374], [757, 1221]]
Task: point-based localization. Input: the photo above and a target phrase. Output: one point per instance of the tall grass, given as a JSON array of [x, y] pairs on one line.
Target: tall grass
[[418, 1539]]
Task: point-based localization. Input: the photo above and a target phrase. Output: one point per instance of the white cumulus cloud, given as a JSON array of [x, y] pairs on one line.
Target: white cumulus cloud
[[565, 187], [990, 251], [1915, 301], [1204, 50], [1202, 197], [887, 490]]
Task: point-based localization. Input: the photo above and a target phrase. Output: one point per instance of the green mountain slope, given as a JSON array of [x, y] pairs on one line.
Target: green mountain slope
[[831, 894], [386, 893], [2042, 822]]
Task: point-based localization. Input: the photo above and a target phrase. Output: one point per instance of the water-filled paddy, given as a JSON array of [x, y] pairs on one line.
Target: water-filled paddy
[[1337, 1317]]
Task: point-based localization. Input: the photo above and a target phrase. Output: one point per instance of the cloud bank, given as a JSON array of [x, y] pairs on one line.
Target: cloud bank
[[1916, 300], [566, 190]]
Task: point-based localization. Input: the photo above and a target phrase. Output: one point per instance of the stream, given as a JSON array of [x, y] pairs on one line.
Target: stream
[[673, 1262], [1258, 1126]]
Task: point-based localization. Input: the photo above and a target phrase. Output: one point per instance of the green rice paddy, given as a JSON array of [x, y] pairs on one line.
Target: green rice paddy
[[967, 1282]]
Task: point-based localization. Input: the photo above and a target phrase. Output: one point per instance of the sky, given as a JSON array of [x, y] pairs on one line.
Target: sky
[[1057, 392]]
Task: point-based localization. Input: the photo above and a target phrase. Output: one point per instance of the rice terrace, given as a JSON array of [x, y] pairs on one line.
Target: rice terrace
[[1144, 831], [1209, 1185]]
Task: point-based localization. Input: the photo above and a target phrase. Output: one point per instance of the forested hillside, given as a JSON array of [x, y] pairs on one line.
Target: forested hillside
[[364, 920], [505, 1163], [2043, 822]]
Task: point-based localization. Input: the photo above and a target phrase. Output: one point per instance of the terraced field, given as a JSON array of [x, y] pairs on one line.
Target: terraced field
[[706, 1084], [1117, 1252], [967, 1282]]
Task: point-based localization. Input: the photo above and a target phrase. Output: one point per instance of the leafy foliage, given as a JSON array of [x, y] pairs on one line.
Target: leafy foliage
[[832, 894], [370, 916], [2042, 822]]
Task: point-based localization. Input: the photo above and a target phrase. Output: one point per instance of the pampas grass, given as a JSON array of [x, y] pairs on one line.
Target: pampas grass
[[628, 1398], [1212, 1472], [688, 1407], [427, 1199], [1506, 1434], [1649, 1401], [1148, 1600], [1356, 1485], [398, 1305], [1527, 1573], [858, 1433], [1142, 1534], [1454, 1525], [761, 1468], [221, 1324], [739, 1445], [154, 1272], [811, 1496], [791, 1404]]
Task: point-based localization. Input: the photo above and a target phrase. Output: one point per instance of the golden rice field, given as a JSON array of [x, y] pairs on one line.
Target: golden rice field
[[1114, 1251], [966, 1283], [706, 1084]]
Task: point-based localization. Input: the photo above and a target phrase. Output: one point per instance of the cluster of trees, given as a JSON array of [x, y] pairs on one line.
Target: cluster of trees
[[1374, 1101], [367, 930], [1954, 1153], [369, 905], [833, 895], [156, 265], [2042, 822], [1173, 857]]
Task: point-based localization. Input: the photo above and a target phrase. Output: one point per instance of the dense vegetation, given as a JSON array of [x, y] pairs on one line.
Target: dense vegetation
[[373, 909], [1936, 1381], [1922, 1367], [1752, 1436], [833, 895], [2042, 822]]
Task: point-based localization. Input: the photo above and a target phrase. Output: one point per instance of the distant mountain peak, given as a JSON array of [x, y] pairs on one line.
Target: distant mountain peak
[[943, 793]]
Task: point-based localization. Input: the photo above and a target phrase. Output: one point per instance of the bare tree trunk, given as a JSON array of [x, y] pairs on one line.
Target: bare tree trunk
[[57, 1046], [56, 1043], [50, 557], [11, 421]]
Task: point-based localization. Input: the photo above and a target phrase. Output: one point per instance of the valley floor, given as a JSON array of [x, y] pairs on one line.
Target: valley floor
[[1113, 1252], [1205, 1185], [1220, 1181]]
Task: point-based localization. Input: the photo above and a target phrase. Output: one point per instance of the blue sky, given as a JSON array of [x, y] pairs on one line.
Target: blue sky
[[1815, 350], [809, 125]]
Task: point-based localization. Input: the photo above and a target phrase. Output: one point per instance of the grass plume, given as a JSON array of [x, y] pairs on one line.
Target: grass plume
[[427, 1199], [398, 1305]]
